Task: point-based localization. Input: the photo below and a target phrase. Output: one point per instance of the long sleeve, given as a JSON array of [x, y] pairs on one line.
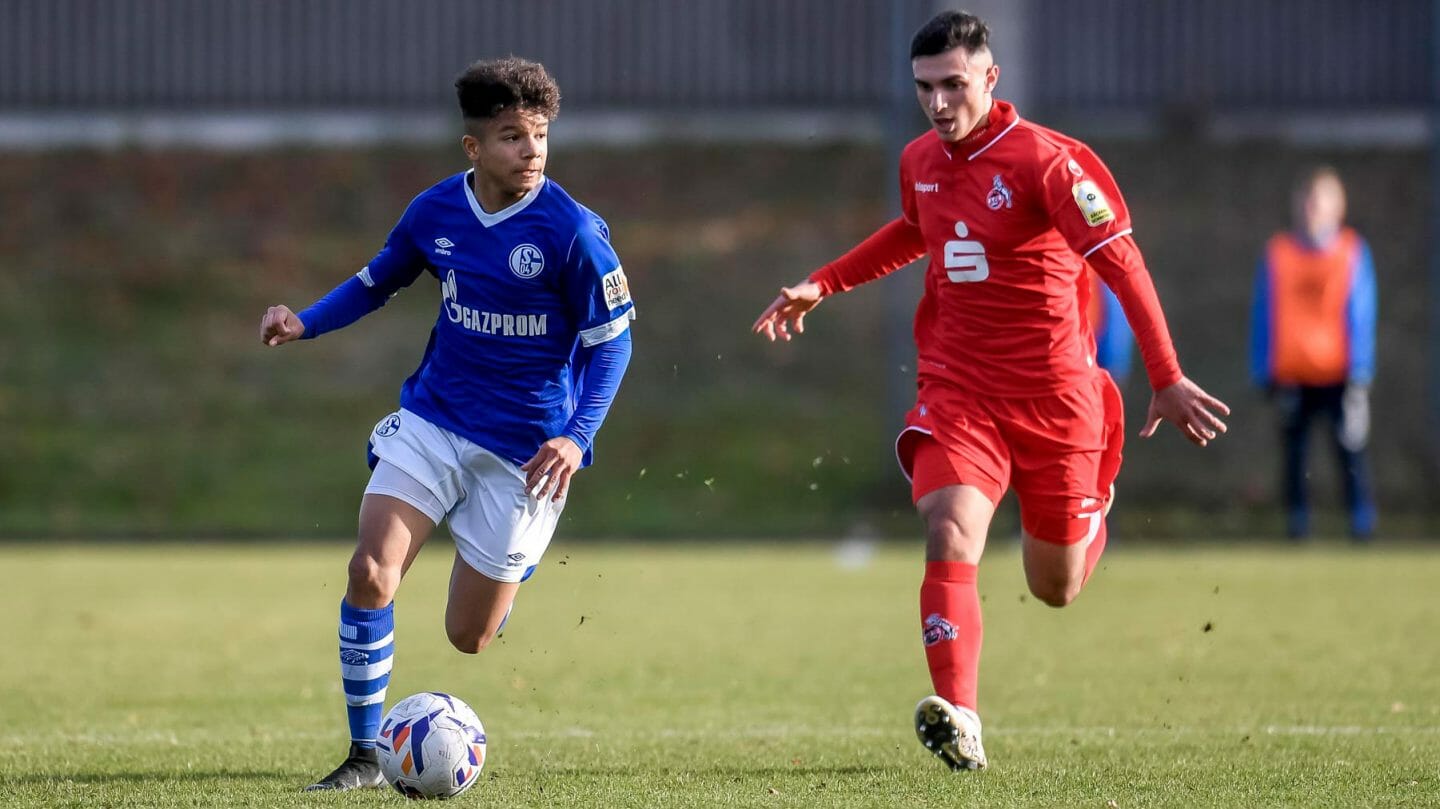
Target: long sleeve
[[883, 252], [1360, 318], [598, 372], [1119, 264], [344, 304], [395, 267], [1261, 339]]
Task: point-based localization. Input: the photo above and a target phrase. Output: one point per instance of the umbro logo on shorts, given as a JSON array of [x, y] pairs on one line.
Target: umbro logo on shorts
[[516, 557]]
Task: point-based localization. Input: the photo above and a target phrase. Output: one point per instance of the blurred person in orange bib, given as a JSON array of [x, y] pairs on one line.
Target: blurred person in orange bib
[[1313, 344], [1009, 214]]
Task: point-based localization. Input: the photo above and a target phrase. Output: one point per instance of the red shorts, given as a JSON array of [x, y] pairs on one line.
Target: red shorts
[[1061, 452]]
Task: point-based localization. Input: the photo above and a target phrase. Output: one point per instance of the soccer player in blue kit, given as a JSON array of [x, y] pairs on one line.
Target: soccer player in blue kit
[[525, 357]]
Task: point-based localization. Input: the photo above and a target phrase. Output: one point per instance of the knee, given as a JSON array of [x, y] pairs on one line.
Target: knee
[[467, 640], [947, 538], [371, 581], [1056, 592]]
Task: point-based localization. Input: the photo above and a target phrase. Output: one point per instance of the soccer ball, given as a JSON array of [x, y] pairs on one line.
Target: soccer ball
[[431, 745]]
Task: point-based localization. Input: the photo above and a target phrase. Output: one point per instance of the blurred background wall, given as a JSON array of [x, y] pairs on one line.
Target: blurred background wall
[[170, 168]]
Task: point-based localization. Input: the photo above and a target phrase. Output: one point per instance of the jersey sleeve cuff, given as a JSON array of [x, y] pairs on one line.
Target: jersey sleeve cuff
[[1166, 378]]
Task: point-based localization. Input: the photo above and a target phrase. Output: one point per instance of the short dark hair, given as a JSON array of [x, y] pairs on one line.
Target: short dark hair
[[949, 30], [488, 88]]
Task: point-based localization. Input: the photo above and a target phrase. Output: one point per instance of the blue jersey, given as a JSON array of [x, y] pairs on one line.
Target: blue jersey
[[520, 291]]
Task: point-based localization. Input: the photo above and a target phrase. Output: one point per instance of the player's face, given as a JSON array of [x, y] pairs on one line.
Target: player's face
[[954, 89], [509, 152], [1321, 208]]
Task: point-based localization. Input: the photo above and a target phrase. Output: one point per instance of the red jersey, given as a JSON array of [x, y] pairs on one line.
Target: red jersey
[[1008, 217]]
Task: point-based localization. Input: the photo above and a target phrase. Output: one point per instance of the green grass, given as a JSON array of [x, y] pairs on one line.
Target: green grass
[[736, 675]]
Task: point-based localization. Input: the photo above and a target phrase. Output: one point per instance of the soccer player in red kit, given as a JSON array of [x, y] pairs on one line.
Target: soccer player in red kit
[[1009, 394]]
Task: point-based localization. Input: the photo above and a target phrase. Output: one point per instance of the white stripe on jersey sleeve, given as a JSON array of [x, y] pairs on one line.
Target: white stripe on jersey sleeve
[[1125, 232], [606, 332], [364, 276]]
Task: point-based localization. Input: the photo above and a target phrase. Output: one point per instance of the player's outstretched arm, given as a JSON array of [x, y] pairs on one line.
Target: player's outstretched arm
[[883, 252], [280, 325], [1188, 407], [790, 307]]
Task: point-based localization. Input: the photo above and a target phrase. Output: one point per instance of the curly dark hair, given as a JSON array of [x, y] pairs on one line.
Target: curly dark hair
[[949, 30], [489, 87]]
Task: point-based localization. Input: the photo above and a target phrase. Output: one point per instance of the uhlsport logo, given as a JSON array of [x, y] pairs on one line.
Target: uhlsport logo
[[937, 629], [388, 426], [526, 261], [500, 324]]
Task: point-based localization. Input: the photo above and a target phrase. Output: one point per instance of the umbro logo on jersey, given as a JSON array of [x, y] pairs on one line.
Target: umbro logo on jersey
[[443, 245], [927, 188]]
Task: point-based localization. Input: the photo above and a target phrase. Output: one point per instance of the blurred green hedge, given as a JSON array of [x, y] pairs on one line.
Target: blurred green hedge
[[139, 399]]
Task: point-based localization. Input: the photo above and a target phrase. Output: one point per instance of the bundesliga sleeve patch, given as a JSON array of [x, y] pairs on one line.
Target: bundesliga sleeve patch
[[617, 289], [1092, 203]]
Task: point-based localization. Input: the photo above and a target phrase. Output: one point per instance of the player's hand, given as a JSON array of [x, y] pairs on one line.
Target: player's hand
[[1188, 407], [280, 326], [551, 468], [792, 306]]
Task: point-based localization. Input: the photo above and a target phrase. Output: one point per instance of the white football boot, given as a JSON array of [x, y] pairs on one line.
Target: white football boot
[[952, 733]]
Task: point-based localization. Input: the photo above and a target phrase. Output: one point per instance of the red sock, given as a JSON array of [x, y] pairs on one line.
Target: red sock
[[950, 618], [1097, 547]]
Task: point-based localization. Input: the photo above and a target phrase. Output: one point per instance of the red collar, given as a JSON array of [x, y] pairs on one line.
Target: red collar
[[1001, 118]]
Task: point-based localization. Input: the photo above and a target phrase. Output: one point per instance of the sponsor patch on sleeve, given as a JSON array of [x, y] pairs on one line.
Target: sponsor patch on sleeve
[[1092, 203], [617, 289]]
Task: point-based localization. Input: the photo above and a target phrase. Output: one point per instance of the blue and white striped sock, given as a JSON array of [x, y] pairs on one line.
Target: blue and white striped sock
[[367, 649]]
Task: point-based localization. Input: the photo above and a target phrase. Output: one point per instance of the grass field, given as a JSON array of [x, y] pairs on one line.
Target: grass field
[[735, 675]]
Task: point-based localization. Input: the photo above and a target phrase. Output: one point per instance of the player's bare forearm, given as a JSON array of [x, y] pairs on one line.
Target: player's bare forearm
[[280, 326], [1192, 410]]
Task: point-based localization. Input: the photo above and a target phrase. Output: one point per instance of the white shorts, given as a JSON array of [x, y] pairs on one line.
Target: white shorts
[[499, 529]]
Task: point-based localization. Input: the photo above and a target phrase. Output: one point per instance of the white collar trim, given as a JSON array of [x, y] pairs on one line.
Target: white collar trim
[[994, 140], [492, 219]]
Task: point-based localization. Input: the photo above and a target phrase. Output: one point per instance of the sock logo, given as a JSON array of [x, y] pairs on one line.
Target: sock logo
[[354, 657], [937, 629]]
